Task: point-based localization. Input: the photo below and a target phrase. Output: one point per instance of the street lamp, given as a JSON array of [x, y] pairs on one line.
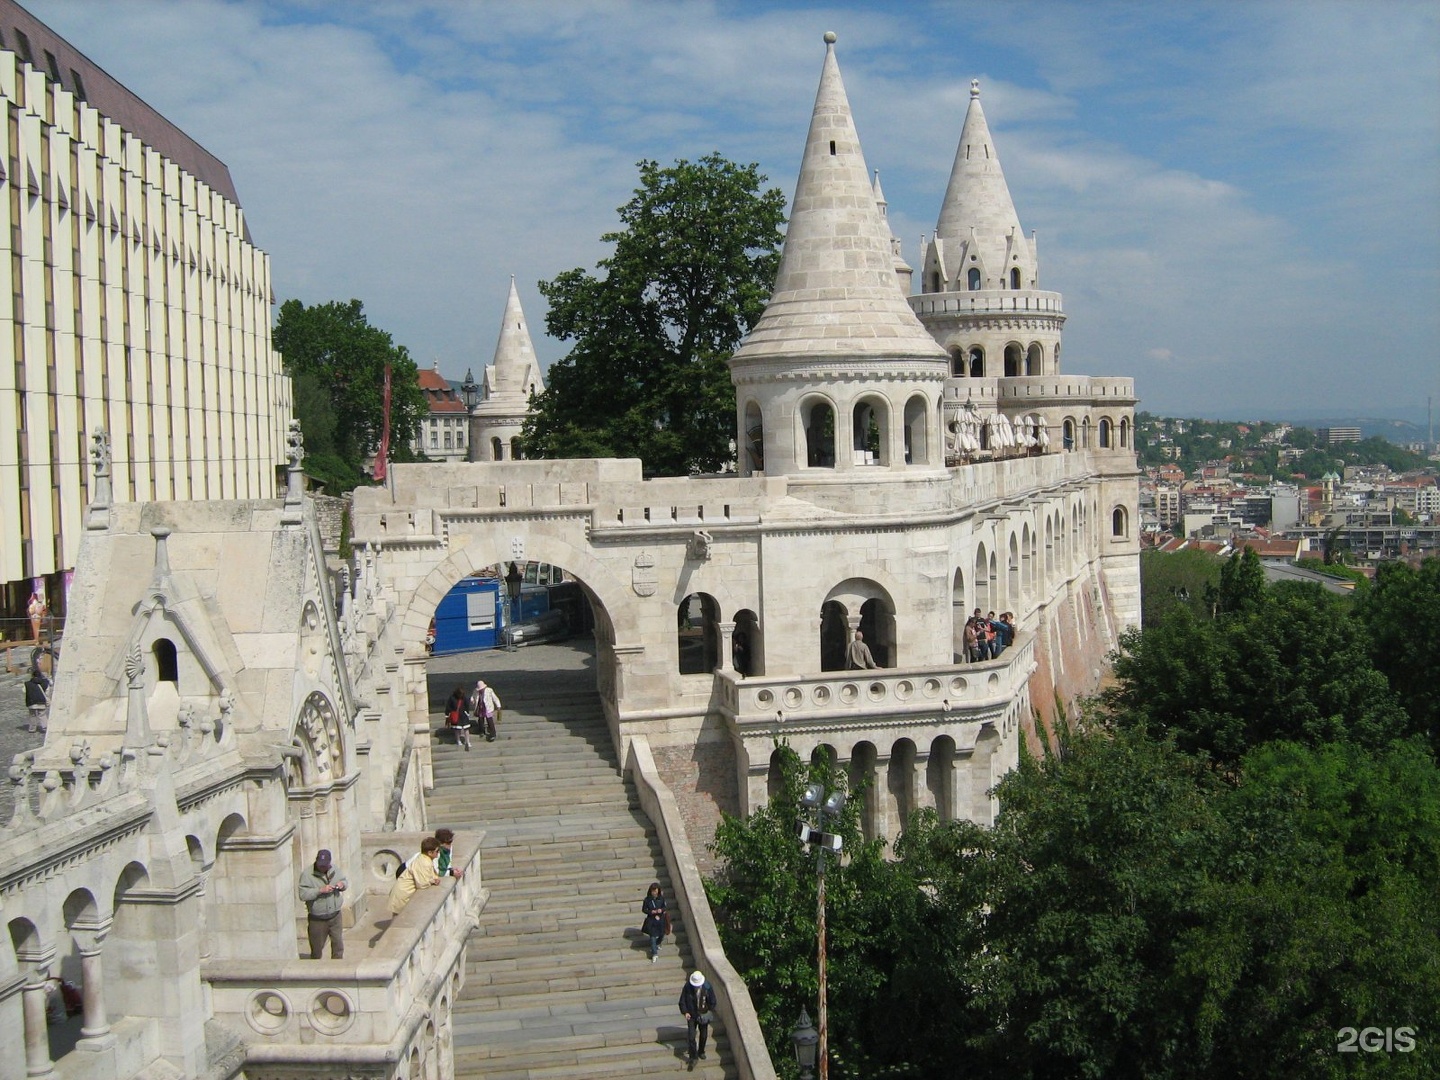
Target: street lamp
[[822, 806], [471, 392], [805, 1039]]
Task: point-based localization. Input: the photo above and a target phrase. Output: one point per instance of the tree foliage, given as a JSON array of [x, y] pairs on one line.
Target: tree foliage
[[337, 361], [1400, 620], [1189, 577], [690, 273]]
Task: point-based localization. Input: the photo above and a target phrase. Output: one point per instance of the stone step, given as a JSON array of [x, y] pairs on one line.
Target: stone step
[[558, 982]]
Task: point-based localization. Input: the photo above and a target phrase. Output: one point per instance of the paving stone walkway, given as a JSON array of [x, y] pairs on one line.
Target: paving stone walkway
[[558, 981]]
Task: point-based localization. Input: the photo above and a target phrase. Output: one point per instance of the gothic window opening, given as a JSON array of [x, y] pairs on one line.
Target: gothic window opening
[[754, 438], [1068, 434], [1013, 360], [1014, 277], [819, 421], [977, 363], [1119, 526], [1034, 360], [697, 634], [917, 431], [167, 663], [974, 279], [497, 449], [870, 441], [1104, 433]]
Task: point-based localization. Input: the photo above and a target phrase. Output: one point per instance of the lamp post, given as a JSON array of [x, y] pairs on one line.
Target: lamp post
[[822, 806], [805, 1039], [470, 391]]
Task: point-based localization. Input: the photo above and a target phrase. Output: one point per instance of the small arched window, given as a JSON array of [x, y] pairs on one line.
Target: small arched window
[[958, 368], [497, 449], [1014, 277], [1119, 525], [167, 664], [977, 363], [1068, 434], [974, 279], [1104, 433], [1124, 432]]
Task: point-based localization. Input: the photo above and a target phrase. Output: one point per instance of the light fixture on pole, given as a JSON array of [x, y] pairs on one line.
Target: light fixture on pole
[[823, 806], [805, 1038], [471, 393]]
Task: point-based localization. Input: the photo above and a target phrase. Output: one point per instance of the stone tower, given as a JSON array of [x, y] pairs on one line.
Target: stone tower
[[979, 286], [510, 379], [838, 377]]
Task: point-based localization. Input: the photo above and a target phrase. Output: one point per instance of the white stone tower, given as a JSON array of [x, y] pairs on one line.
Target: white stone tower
[[979, 288], [838, 376], [510, 379]]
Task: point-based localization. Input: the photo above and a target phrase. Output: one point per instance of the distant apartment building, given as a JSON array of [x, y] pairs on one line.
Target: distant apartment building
[[1167, 505], [139, 307], [1427, 501], [443, 431], [1334, 435]]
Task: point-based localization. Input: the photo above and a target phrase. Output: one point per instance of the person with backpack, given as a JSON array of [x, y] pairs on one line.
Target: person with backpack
[[37, 700], [419, 873], [697, 1004], [457, 716], [485, 707]]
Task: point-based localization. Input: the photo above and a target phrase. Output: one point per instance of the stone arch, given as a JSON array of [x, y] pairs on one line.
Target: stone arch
[[319, 735], [900, 786], [1027, 562], [497, 448], [973, 279], [1119, 523], [870, 430], [697, 634], [959, 368], [876, 621], [917, 430], [863, 760], [167, 663], [1012, 574], [940, 776], [816, 419], [1014, 277], [977, 362], [1014, 359], [1124, 432], [1035, 359], [983, 599], [1105, 429], [1085, 433], [747, 644], [612, 600], [754, 460], [134, 987], [1067, 433], [834, 635], [959, 612]]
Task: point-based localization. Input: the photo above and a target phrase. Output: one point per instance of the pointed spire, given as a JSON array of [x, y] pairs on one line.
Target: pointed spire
[[514, 368], [977, 199], [836, 294]]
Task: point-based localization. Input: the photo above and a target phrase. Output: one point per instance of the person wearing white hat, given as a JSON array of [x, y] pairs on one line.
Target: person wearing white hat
[[697, 1004], [485, 708]]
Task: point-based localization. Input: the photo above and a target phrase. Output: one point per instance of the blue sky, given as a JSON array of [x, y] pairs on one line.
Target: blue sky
[[1240, 201]]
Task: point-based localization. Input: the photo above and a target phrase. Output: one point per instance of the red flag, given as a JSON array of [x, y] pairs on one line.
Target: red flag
[[382, 453]]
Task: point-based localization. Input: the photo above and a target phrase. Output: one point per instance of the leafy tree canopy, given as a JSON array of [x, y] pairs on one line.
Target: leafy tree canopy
[[337, 361], [1399, 618], [690, 273]]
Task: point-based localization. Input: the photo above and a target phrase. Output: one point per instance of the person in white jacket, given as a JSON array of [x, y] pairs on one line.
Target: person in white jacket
[[485, 708]]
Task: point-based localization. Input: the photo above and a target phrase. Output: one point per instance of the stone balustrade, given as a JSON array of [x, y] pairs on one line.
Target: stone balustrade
[[389, 999], [988, 301], [838, 698]]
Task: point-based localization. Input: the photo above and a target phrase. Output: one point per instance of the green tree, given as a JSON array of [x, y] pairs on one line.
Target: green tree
[[337, 360], [1288, 665], [1242, 581], [1400, 621], [1171, 579], [646, 377]]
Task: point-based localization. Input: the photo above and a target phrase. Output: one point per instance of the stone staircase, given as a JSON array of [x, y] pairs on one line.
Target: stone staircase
[[558, 979]]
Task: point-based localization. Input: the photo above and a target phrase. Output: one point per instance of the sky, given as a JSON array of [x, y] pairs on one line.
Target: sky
[[1240, 201]]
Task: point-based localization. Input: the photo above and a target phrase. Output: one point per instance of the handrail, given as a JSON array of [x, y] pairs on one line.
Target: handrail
[[732, 996]]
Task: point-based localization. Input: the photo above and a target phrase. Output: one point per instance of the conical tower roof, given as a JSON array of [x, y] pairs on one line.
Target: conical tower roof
[[514, 369], [836, 295], [977, 197]]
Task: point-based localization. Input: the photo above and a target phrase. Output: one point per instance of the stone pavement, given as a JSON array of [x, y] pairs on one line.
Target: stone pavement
[[13, 737]]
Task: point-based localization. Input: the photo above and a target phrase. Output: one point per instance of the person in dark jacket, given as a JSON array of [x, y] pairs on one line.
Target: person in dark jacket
[[37, 700], [457, 715], [697, 1004], [656, 918]]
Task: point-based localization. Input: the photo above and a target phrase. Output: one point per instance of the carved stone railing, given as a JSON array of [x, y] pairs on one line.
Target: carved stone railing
[[845, 697], [364, 1012]]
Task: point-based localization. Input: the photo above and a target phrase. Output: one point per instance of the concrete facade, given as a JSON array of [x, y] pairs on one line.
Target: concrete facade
[[141, 308]]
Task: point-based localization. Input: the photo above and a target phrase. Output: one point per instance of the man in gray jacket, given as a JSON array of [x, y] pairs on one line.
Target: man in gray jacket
[[322, 888]]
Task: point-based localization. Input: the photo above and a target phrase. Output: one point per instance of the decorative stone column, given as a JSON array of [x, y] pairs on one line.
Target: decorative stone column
[[727, 639], [94, 1026], [36, 961]]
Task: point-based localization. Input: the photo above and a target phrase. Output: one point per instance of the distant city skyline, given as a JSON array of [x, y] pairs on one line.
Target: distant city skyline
[[1240, 203]]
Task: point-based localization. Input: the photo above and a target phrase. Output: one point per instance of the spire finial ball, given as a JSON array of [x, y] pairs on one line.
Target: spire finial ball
[[830, 37], [974, 88]]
